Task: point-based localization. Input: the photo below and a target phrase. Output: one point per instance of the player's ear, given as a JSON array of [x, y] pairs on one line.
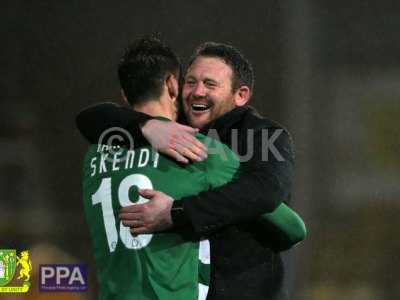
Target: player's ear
[[124, 99], [242, 95], [172, 86]]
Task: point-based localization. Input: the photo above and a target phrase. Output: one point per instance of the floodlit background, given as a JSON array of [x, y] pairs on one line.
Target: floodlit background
[[328, 70]]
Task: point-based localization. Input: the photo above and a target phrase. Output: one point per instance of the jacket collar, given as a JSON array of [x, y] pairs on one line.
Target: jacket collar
[[227, 120]]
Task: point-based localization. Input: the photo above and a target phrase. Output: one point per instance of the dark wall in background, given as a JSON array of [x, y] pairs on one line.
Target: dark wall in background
[[61, 56]]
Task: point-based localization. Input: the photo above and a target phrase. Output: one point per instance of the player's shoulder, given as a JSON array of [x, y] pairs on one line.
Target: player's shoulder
[[221, 164], [219, 154], [205, 138], [92, 150], [211, 140]]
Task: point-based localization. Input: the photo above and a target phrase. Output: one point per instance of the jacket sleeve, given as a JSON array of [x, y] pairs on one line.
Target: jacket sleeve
[[93, 121], [264, 181]]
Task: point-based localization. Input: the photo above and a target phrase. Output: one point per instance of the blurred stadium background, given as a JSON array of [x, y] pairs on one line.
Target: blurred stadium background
[[328, 70]]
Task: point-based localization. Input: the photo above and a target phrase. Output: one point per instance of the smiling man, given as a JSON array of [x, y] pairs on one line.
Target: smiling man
[[217, 87], [207, 91]]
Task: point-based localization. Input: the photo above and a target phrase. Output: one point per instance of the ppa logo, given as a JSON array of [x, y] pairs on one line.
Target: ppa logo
[[63, 278]]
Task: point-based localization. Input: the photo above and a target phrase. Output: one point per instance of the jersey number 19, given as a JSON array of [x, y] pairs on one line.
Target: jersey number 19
[[103, 196]]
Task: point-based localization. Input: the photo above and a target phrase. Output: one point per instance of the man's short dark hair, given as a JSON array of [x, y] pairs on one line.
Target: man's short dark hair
[[242, 70], [144, 67]]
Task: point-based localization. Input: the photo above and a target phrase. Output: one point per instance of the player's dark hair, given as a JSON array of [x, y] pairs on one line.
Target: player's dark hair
[[242, 69], [143, 68]]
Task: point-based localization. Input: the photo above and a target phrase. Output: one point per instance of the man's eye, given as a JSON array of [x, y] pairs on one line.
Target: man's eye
[[210, 84], [190, 82]]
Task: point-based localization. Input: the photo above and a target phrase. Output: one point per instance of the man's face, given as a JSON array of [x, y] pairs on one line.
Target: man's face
[[207, 90]]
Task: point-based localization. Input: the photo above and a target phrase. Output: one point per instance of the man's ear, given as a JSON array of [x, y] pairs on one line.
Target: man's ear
[[124, 99], [242, 95], [172, 86]]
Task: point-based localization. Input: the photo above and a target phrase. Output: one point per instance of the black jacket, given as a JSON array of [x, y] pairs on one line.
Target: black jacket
[[244, 264]]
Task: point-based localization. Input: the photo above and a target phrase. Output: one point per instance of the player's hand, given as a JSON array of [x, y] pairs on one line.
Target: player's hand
[[148, 217], [174, 140]]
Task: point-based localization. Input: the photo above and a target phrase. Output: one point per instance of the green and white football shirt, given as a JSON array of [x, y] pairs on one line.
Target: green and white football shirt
[[159, 266]]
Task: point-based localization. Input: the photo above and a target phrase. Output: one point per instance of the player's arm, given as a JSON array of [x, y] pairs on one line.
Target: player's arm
[[94, 120], [260, 187], [283, 223], [284, 226], [169, 138]]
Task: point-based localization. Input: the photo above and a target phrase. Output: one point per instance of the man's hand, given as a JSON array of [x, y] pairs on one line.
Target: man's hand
[[174, 140], [148, 217]]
